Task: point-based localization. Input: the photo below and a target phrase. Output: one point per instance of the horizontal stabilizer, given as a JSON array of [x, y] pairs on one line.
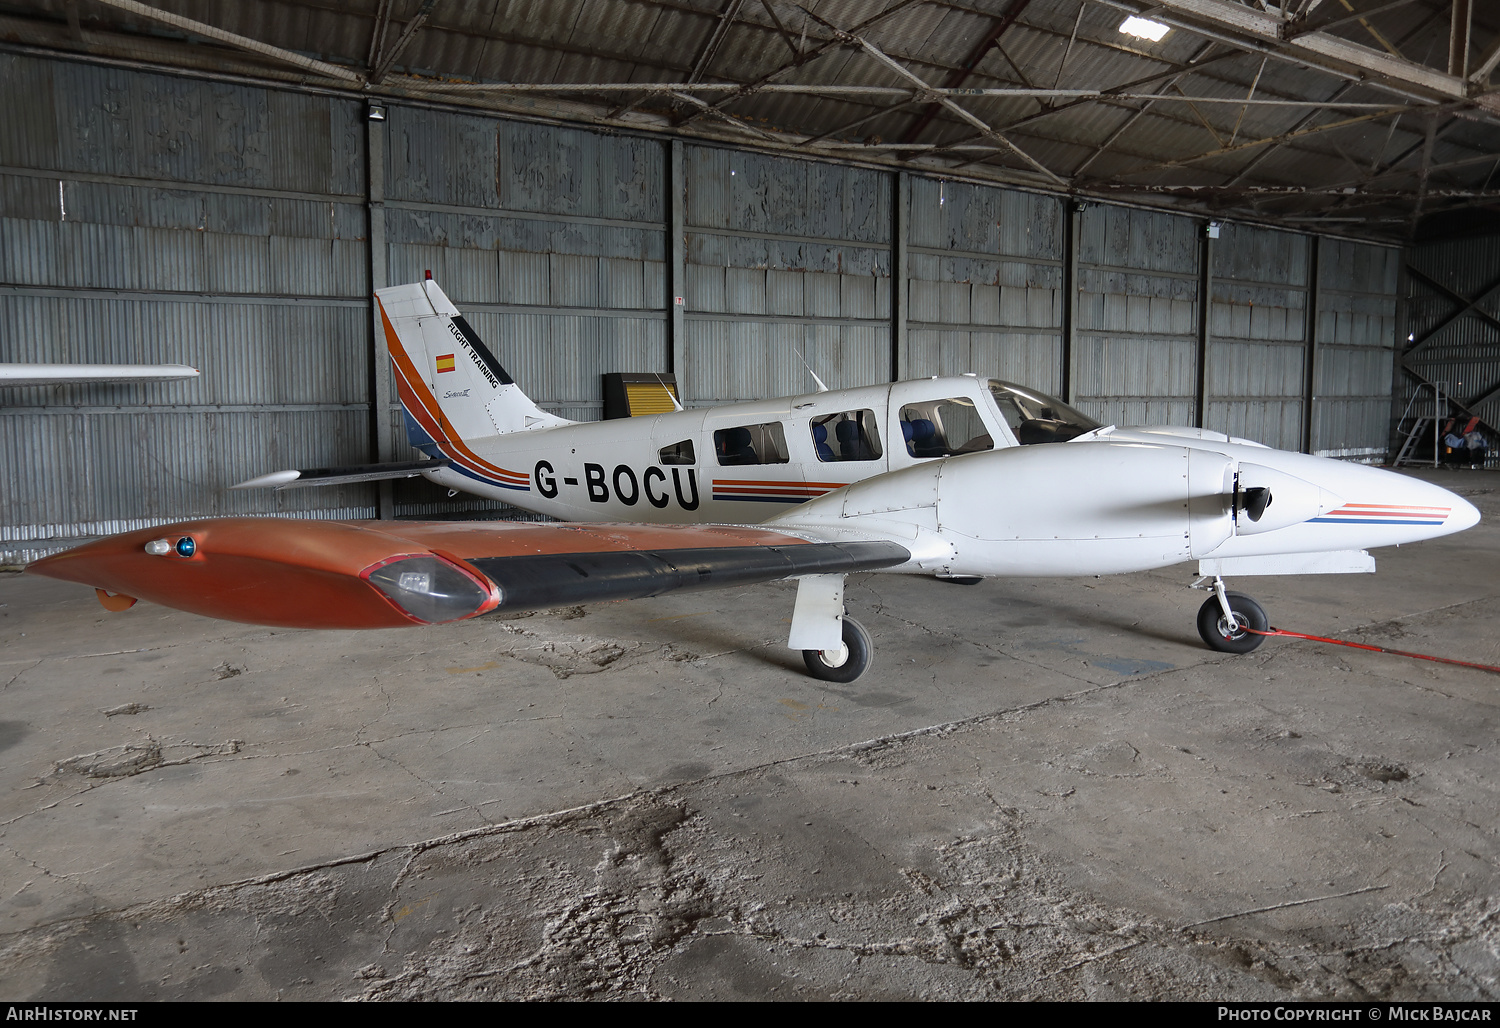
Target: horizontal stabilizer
[[279, 480]]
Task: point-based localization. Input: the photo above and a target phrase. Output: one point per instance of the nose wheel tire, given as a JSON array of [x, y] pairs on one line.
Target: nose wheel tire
[[1225, 637], [846, 663]]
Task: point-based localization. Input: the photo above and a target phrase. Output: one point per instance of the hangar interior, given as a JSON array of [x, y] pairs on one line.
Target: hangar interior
[[175, 198], [1276, 220]]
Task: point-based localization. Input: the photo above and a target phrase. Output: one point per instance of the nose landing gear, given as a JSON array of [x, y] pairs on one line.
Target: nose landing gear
[[1224, 618]]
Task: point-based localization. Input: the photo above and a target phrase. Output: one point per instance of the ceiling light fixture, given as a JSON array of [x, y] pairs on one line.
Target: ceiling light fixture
[[1144, 28]]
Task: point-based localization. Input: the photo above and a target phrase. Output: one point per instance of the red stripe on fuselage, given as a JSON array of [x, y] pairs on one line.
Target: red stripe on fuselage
[[1393, 506], [1370, 510]]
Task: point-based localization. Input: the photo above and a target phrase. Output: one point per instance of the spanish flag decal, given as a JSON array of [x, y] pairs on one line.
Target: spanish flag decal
[[445, 362]]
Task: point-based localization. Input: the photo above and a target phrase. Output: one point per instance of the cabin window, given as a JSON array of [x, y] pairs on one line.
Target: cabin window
[[751, 444], [1037, 417], [678, 453], [942, 428], [847, 435]]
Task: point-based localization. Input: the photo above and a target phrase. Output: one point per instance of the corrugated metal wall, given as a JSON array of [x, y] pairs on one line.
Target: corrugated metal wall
[[985, 286], [1460, 350], [1258, 335], [151, 218], [157, 218], [1357, 308], [1137, 342], [784, 257], [549, 239]]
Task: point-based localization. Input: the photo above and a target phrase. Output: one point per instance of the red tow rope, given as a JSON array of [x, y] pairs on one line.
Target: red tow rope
[[1378, 649]]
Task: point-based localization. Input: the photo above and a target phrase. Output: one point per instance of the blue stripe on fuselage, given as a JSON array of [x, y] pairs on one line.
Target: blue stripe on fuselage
[[761, 499], [476, 476], [1370, 521]]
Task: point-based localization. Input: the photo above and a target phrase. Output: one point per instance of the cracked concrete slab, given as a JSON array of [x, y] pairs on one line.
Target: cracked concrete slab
[[1042, 789]]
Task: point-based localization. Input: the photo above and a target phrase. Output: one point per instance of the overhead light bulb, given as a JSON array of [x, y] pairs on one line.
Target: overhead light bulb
[[1144, 28]]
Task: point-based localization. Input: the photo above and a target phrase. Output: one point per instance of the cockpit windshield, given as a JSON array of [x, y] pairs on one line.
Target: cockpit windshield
[[1036, 417]]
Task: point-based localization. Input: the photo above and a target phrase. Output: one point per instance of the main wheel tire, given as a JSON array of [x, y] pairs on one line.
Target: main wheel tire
[[846, 663], [961, 579], [1220, 635]]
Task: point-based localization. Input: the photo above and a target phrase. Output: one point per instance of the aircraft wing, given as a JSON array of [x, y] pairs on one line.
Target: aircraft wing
[[383, 574], [296, 479], [62, 374]]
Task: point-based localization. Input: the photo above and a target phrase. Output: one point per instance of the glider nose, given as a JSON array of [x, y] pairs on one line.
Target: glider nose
[[271, 571], [81, 564]]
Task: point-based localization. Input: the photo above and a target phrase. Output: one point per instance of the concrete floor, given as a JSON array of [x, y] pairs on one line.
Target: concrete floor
[[1043, 789]]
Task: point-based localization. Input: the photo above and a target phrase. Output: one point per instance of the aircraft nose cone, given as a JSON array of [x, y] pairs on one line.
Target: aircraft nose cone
[[1464, 515], [1461, 513]]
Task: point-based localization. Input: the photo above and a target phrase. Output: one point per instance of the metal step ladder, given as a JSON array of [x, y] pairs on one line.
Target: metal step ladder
[[1420, 421]]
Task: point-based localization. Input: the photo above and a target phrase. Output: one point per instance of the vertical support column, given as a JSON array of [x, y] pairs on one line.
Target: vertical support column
[[1072, 224], [1205, 318], [1310, 349], [380, 362], [900, 273], [1402, 380], [677, 266]]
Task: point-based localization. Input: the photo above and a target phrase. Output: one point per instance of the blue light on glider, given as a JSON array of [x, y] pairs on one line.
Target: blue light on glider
[[186, 547]]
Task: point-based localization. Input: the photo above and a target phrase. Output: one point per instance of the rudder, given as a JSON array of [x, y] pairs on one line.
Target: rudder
[[450, 384]]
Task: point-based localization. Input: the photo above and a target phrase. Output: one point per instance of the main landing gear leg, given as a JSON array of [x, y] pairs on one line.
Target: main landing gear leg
[[1224, 618], [835, 647]]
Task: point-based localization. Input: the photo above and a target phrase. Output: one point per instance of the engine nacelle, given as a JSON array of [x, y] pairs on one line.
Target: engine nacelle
[[1048, 510], [1266, 499]]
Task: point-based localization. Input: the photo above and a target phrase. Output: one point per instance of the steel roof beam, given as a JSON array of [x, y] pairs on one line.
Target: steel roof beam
[[827, 46], [1255, 162], [1260, 157], [377, 33], [1299, 27], [1458, 37], [403, 41], [856, 123], [873, 51], [1266, 32], [955, 79], [1480, 76], [715, 39], [234, 39], [785, 35], [905, 94], [1276, 139]]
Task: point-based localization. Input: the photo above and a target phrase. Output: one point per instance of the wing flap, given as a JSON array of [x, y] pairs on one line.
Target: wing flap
[[560, 579]]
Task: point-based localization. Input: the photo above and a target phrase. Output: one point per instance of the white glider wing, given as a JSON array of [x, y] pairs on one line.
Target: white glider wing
[[64, 374]]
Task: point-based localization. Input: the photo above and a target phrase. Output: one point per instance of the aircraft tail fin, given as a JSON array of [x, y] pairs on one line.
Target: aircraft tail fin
[[451, 386]]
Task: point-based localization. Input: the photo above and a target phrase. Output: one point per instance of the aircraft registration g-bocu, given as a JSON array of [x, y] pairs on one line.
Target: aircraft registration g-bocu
[[940, 477]]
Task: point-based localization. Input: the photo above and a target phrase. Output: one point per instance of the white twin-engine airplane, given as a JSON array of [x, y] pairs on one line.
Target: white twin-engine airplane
[[937, 477]]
